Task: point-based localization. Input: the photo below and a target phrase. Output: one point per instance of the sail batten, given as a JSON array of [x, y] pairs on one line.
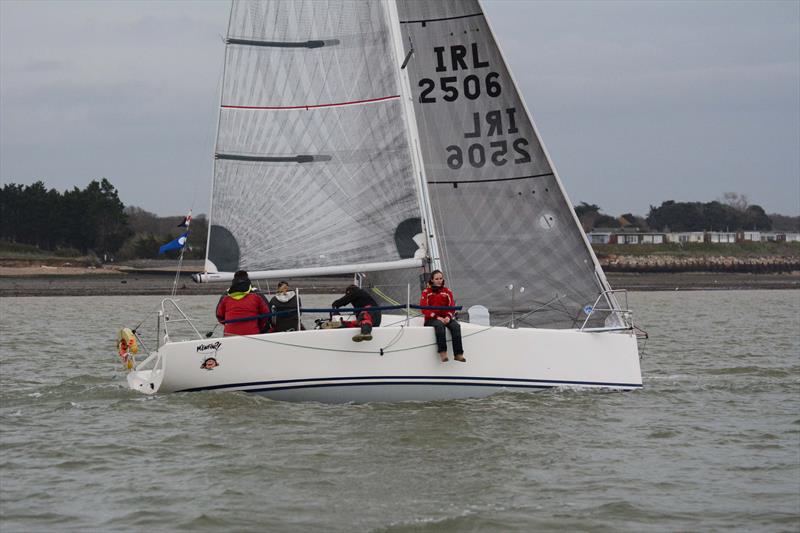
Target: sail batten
[[315, 106], [440, 19], [488, 180], [301, 158], [319, 43]]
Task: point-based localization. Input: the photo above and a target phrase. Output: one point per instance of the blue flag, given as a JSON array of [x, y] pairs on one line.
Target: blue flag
[[175, 244]]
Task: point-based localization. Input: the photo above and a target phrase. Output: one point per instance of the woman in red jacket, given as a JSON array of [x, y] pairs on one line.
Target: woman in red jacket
[[242, 301], [437, 295]]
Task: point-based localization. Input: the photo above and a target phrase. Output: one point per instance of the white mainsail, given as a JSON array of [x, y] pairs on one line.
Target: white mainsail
[[313, 167]]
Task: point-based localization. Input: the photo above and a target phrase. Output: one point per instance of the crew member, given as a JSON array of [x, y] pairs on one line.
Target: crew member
[[360, 299], [242, 301], [285, 302], [437, 295]]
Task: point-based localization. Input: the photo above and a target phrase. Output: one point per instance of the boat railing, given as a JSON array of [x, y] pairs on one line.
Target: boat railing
[[170, 321], [621, 312], [170, 316], [332, 311]]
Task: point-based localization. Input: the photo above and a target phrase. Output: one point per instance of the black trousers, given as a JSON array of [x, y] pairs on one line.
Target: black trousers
[[441, 337]]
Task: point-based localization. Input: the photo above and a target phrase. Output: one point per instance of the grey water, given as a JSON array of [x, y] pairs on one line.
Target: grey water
[[711, 443]]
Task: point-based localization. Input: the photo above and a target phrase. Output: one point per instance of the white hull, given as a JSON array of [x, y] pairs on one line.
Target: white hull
[[327, 366]]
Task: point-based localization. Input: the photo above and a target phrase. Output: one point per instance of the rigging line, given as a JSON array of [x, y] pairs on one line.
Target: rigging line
[[451, 182], [362, 352], [395, 340], [148, 315], [312, 106], [541, 306], [425, 21], [385, 296], [485, 329]]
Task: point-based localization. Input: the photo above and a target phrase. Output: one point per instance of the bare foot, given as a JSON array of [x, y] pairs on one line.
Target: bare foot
[[460, 358], [443, 357]]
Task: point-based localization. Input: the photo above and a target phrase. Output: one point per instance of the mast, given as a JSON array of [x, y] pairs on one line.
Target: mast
[[412, 132], [216, 140]]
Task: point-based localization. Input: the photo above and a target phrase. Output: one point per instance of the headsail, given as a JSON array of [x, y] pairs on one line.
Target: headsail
[[501, 213], [313, 167]]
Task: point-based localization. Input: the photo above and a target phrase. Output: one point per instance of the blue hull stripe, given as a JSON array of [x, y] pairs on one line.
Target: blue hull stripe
[[287, 384]]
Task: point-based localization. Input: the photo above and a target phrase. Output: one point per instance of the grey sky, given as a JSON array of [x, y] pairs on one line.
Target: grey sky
[[637, 102]]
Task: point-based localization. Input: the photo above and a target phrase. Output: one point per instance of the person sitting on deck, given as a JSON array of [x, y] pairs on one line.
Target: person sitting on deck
[[286, 303], [242, 301], [360, 299], [437, 295]]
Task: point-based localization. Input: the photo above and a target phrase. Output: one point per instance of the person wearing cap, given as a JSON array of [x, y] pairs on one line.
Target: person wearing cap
[[360, 299], [242, 301]]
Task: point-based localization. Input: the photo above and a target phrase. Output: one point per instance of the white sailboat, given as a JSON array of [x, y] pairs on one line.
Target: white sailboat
[[385, 139]]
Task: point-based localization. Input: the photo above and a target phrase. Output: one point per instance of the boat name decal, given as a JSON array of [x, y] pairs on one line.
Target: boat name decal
[[210, 346]]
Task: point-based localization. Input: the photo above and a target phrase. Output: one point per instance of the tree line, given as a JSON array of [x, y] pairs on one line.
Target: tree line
[[732, 213], [92, 220]]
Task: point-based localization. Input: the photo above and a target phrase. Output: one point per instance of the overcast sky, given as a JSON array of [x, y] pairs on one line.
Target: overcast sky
[[637, 102]]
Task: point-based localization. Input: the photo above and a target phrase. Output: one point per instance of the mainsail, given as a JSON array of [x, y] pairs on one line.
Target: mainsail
[[502, 217], [313, 167]]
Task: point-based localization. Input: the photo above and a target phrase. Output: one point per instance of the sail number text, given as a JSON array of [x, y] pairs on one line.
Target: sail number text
[[459, 58], [495, 126], [452, 89], [491, 124]]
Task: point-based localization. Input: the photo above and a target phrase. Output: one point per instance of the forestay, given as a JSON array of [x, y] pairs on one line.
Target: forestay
[[501, 214], [312, 158]]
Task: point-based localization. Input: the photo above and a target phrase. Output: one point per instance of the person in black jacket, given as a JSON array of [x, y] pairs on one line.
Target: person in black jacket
[[360, 299], [284, 302]]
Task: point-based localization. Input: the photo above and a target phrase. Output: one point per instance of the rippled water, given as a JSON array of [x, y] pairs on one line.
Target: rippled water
[[712, 442]]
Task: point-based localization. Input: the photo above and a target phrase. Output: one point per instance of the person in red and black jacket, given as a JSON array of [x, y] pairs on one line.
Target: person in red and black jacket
[[360, 299], [437, 295], [242, 301]]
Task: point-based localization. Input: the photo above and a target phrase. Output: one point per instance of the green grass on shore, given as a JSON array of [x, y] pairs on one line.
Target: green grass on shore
[[744, 249], [11, 251]]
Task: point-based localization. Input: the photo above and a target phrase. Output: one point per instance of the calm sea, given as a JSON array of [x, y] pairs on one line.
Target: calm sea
[[711, 443]]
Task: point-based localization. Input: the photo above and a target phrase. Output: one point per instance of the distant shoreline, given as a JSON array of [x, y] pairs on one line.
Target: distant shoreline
[[75, 281]]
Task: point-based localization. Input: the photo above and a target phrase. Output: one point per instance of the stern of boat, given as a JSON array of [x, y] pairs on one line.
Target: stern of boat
[[146, 377]]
